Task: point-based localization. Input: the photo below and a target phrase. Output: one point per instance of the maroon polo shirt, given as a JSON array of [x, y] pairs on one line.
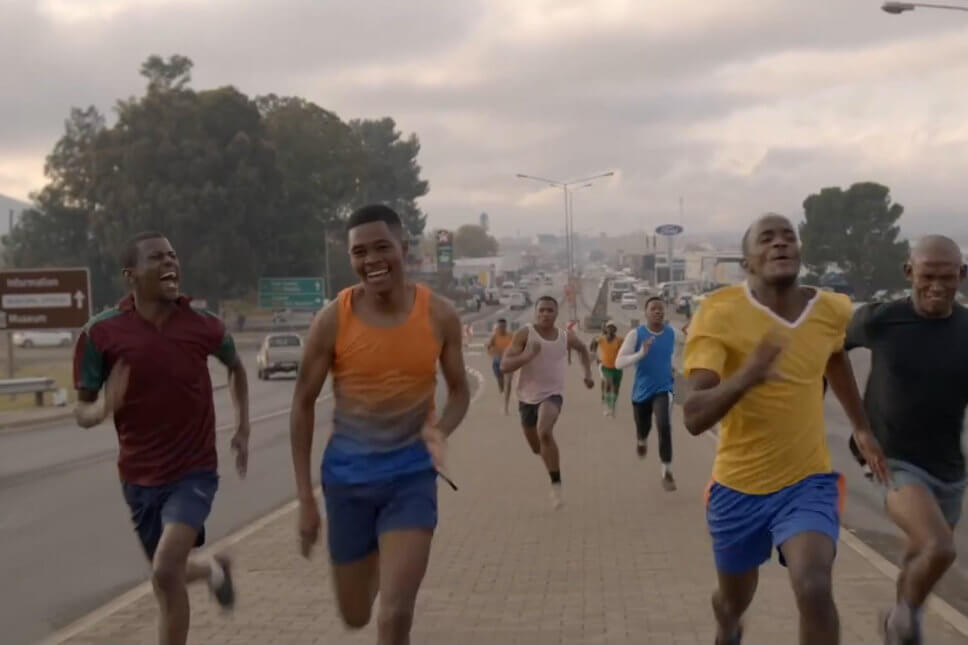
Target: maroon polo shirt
[[166, 424]]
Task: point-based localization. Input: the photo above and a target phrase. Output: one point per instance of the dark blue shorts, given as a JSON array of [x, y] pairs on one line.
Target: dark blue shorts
[[745, 528], [357, 514], [186, 501], [496, 367]]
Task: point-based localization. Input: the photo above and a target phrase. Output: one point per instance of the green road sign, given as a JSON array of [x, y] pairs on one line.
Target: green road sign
[[291, 293]]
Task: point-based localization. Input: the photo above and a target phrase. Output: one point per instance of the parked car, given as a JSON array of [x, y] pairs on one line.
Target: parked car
[[281, 352], [517, 300], [630, 301], [30, 339]]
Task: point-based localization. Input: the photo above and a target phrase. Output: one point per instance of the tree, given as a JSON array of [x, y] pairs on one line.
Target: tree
[[855, 230], [472, 241], [391, 174]]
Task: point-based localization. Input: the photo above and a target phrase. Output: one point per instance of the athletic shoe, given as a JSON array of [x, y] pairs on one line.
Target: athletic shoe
[[557, 501], [668, 482], [225, 592]]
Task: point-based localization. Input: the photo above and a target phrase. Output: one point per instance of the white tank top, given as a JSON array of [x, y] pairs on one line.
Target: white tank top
[[544, 375]]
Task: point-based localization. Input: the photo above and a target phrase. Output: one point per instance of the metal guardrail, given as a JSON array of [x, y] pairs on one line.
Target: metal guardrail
[[35, 385]]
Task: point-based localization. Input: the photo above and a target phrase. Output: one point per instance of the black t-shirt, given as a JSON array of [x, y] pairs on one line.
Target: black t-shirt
[[918, 387]]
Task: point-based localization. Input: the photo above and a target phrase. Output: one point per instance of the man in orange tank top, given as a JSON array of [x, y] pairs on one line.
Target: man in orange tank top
[[383, 340], [499, 342], [540, 351]]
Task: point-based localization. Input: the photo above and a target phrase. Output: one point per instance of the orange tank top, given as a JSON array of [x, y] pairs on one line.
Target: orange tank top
[[608, 350], [500, 343], [384, 378]]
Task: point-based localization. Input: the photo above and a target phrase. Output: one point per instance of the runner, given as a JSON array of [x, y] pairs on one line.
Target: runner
[[500, 340], [916, 397], [149, 356], [755, 358], [608, 347], [650, 348], [382, 340], [593, 350], [542, 358]]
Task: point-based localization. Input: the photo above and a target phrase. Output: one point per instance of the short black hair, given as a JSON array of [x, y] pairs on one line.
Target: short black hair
[[502, 320], [375, 213], [650, 299], [546, 298], [129, 253]]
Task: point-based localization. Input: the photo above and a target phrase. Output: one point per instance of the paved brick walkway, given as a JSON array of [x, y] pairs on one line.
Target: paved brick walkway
[[623, 562]]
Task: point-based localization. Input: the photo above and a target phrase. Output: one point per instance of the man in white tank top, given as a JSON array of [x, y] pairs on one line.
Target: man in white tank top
[[540, 351]]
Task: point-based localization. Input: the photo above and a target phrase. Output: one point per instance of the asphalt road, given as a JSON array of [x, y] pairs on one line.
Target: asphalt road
[[864, 513], [67, 541]]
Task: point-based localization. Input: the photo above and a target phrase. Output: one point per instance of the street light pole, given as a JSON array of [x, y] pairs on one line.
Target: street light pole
[[569, 243], [900, 7]]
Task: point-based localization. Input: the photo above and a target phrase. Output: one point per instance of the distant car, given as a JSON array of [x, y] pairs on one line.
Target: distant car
[[279, 353], [517, 300], [684, 304], [30, 339], [630, 301], [643, 288]]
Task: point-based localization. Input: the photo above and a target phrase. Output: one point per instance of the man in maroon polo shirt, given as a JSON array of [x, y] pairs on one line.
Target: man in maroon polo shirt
[[149, 356]]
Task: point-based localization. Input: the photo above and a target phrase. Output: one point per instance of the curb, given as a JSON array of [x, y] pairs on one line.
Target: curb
[[143, 589]]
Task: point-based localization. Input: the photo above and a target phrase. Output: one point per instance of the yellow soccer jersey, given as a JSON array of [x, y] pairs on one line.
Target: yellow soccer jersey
[[774, 436]]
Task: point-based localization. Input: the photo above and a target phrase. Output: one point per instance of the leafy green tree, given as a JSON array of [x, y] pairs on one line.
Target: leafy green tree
[[855, 230]]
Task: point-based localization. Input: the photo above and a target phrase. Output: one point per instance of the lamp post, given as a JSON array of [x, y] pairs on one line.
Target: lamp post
[[569, 250], [901, 7]]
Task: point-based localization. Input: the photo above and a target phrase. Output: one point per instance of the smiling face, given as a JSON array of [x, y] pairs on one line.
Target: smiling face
[[376, 254], [156, 273], [936, 269], [772, 253]]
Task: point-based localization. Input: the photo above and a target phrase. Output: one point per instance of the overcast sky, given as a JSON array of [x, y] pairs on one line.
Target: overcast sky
[[738, 106]]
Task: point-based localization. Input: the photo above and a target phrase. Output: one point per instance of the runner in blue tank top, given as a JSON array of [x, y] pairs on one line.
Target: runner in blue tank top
[[649, 348]]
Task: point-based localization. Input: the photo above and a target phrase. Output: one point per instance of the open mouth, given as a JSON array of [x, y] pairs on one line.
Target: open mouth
[[377, 274], [169, 279]]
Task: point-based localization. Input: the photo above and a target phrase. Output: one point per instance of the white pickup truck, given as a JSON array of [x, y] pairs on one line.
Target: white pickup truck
[[279, 352]]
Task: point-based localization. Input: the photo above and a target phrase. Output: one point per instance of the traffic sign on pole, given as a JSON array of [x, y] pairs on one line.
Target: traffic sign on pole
[[52, 298], [291, 293]]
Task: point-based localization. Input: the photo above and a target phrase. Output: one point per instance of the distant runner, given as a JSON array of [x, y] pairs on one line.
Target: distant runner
[[916, 398], [755, 357], [650, 348], [149, 357], [607, 346], [383, 340], [496, 346], [540, 351]]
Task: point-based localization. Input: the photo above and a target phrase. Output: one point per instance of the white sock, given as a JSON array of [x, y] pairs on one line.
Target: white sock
[[665, 469], [217, 575]]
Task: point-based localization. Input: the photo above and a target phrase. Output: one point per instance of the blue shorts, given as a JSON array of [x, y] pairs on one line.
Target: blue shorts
[[745, 528], [186, 501], [496, 367], [949, 495], [357, 514]]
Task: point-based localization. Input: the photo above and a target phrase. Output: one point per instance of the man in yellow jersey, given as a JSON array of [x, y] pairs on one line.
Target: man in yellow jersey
[[383, 340], [755, 358], [500, 340], [608, 345]]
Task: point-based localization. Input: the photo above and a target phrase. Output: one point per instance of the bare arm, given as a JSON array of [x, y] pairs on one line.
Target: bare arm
[[515, 357], [586, 358], [840, 378], [452, 365], [313, 370], [239, 389], [90, 409], [709, 399]]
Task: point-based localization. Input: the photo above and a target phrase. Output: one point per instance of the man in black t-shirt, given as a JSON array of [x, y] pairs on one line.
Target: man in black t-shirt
[[916, 398]]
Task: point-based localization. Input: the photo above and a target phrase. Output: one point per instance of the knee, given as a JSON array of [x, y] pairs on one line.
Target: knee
[[167, 577], [545, 438], [813, 590], [941, 552]]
